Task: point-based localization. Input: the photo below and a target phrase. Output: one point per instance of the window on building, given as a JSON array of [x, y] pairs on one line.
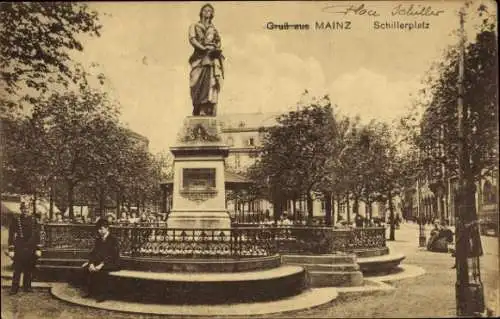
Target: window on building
[[251, 141], [230, 141]]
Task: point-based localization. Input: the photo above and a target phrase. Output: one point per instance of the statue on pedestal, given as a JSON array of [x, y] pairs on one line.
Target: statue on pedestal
[[206, 64]]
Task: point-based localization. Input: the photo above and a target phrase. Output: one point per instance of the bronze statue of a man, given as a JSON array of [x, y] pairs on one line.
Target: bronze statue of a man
[[206, 64]]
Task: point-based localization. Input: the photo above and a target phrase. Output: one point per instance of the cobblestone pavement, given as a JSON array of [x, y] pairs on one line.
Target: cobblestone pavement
[[429, 295]]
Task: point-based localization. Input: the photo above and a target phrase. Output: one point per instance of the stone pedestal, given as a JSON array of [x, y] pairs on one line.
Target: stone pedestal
[[199, 188]]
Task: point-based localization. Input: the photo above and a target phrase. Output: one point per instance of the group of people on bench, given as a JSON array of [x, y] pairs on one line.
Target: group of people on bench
[[440, 238]]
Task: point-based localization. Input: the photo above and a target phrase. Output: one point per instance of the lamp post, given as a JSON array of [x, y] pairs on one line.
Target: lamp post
[[468, 286]]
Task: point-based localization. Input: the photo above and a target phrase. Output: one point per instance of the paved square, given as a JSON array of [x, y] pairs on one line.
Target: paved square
[[429, 295]]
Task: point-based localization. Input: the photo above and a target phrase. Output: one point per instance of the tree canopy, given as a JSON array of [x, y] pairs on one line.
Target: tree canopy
[[36, 39], [439, 126], [74, 141], [294, 153]]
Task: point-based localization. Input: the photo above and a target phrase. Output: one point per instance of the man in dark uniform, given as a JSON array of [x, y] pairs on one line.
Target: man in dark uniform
[[105, 257], [24, 248]]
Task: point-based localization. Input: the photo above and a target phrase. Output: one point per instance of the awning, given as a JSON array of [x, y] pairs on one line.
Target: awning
[[9, 207], [233, 178]]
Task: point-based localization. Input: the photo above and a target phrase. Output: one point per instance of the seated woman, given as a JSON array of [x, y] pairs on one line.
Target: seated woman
[[104, 258], [440, 238]]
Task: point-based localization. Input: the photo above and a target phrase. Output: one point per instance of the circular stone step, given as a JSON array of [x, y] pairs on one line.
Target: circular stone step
[[308, 299], [379, 264], [212, 288], [195, 265]]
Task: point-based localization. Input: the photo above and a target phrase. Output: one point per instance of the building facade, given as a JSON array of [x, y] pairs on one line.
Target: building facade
[[241, 132], [434, 199]]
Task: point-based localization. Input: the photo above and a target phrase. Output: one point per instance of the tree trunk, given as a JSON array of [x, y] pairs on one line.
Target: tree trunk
[[355, 206], [446, 207], [339, 203], [71, 199], [118, 205], [164, 200], [348, 207], [332, 201], [391, 218], [34, 203], [276, 207], [328, 208], [283, 206], [309, 208], [51, 203], [101, 202]]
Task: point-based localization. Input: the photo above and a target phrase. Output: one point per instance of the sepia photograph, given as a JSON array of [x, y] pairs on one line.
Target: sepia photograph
[[249, 159]]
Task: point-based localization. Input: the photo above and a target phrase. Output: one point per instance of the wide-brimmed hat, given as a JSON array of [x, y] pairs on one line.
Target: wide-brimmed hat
[[102, 223]]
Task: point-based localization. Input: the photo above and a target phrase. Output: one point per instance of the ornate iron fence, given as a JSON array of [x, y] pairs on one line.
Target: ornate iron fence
[[324, 240], [156, 240]]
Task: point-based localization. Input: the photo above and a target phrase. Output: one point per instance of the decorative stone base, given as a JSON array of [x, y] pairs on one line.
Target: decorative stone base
[[199, 220], [328, 270], [199, 195]]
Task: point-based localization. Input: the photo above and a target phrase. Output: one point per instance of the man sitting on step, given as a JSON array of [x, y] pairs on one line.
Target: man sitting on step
[[105, 257]]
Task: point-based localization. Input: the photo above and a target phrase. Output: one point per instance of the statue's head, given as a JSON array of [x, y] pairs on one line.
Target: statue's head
[[207, 10]]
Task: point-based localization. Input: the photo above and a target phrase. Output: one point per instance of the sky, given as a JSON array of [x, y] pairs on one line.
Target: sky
[[144, 51]]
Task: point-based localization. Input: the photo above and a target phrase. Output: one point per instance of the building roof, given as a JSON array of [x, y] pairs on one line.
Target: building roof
[[248, 120], [234, 178], [136, 136]]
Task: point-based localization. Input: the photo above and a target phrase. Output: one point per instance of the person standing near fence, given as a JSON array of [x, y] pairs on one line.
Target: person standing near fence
[[359, 220], [24, 248]]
